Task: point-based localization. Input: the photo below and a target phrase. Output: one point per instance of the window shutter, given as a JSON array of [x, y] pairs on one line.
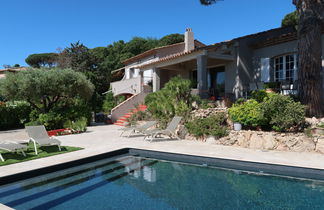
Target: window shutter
[[265, 69]]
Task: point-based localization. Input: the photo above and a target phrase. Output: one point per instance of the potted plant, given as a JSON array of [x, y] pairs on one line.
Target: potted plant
[[237, 126]]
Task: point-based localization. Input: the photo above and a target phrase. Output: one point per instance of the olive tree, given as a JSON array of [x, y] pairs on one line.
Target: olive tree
[[45, 88]]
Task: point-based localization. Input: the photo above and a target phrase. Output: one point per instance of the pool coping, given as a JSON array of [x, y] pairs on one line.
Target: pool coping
[[249, 166]]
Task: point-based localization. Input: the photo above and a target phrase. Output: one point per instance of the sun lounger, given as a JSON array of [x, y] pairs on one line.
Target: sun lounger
[[139, 129], [169, 131], [12, 147], [38, 135]]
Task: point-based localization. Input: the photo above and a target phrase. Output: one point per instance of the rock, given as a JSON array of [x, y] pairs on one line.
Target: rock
[[304, 145], [211, 140], [182, 132], [227, 141], [256, 142], [290, 141], [248, 135], [312, 122], [269, 142], [320, 146], [195, 105], [243, 141], [282, 147]]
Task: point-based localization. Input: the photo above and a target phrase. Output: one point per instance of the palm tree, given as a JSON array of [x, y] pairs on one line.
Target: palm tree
[[311, 18]]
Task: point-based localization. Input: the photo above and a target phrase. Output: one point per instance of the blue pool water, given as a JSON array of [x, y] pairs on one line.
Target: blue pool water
[[138, 183]]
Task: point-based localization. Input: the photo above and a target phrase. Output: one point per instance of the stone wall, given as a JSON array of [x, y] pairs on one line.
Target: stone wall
[[296, 142]]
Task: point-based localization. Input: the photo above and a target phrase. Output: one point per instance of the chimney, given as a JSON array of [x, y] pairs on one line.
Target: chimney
[[189, 40]]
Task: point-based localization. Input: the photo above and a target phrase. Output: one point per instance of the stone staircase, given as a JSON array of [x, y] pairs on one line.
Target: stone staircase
[[127, 108], [123, 119]]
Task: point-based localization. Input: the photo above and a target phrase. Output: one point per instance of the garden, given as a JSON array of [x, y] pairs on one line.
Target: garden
[[268, 120]]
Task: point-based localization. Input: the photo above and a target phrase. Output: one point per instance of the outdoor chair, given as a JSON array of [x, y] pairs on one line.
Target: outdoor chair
[[38, 135], [12, 147], [139, 129], [169, 131]]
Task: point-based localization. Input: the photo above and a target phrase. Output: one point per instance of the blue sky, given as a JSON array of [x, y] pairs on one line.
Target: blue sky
[[37, 26]]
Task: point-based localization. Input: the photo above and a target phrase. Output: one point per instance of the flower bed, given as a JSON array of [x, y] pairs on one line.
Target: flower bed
[[59, 132]]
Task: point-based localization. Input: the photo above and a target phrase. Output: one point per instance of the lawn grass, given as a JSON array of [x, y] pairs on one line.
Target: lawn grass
[[11, 158]]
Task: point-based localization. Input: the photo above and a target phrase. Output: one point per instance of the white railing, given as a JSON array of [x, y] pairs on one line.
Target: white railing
[[127, 86]]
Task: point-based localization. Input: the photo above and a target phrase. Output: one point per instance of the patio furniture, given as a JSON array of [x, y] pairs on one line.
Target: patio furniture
[[169, 131], [139, 129], [12, 147], [38, 135]]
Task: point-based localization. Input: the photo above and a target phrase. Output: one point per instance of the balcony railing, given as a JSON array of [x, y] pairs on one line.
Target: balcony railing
[[127, 86]]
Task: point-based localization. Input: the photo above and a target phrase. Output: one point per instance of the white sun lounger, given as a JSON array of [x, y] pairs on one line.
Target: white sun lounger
[[169, 131], [12, 147], [139, 129], [38, 135]]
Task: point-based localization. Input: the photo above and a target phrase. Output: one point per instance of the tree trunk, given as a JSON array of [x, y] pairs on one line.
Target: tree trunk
[[310, 59]]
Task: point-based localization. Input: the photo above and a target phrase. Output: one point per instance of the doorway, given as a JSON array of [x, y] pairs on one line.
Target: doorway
[[216, 82]]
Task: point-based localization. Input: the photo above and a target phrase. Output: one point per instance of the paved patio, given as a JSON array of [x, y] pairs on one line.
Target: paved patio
[[102, 139]]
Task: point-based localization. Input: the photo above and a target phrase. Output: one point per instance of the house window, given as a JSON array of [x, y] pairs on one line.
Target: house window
[[285, 68]]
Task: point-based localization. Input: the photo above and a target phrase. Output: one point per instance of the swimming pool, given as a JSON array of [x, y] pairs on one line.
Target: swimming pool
[[130, 181]]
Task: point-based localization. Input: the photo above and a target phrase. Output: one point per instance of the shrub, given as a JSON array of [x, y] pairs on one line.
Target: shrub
[[110, 102], [282, 112], [69, 111], [259, 95], [174, 99], [214, 125], [80, 125], [14, 115], [248, 114], [139, 116], [51, 120]]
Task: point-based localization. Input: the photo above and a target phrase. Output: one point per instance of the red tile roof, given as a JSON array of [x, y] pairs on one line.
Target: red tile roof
[[198, 44]]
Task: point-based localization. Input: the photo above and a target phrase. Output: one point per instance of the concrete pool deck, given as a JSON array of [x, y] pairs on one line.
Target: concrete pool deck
[[102, 139]]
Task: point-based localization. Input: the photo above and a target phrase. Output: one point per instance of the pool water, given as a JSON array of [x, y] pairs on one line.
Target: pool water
[[129, 182]]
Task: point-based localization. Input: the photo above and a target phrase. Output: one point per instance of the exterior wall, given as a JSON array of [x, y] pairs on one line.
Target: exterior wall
[[270, 52], [244, 67], [136, 70]]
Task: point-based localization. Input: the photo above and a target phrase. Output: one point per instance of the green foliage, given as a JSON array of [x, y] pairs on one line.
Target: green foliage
[[248, 114], [14, 115], [11, 158], [290, 19], [282, 112], [139, 116], [50, 120], [320, 125], [72, 110], [80, 125], [214, 125], [43, 89], [110, 102], [269, 110], [208, 2], [171, 39], [174, 99], [259, 95], [42, 60]]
